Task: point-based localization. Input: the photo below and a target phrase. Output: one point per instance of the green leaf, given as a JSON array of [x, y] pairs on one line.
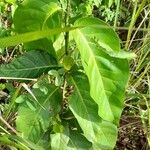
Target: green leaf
[[107, 75], [34, 123], [101, 133], [20, 99], [100, 32], [42, 44], [11, 1], [32, 15], [2, 86], [68, 62], [31, 36], [123, 54], [78, 142], [59, 141], [31, 64], [58, 128]]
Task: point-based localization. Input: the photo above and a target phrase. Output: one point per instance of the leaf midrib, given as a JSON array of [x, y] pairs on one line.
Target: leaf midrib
[[91, 52], [78, 91], [26, 69], [82, 102]]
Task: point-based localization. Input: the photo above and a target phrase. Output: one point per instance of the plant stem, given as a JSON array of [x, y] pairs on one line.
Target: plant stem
[[66, 42], [145, 41], [117, 13], [67, 24], [131, 24], [8, 125], [142, 75], [5, 141], [64, 92], [146, 15], [4, 130], [12, 101], [135, 15]]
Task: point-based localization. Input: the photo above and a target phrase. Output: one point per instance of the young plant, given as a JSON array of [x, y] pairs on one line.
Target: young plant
[[78, 76]]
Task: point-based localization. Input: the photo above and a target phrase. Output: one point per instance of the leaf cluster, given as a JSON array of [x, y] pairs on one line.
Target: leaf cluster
[[72, 77]]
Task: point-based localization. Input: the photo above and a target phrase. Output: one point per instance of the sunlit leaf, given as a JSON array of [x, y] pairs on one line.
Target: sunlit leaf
[[101, 133], [123, 54], [107, 75], [33, 15], [100, 32], [60, 140], [31, 36]]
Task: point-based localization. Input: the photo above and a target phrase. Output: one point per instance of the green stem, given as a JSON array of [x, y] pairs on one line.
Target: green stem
[[66, 42], [145, 41], [7, 124], [5, 141], [4, 130], [135, 15], [67, 24], [117, 13], [137, 82], [12, 103]]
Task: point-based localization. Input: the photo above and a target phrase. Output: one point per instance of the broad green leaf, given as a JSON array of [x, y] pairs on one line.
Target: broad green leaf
[[34, 123], [100, 32], [59, 141], [107, 75], [101, 133], [78, 142], [33, 15], [31, 64], [42, 44], [31, 36]]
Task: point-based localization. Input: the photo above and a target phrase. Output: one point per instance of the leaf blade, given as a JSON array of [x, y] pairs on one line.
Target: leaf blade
[[38, 120], [30, 65], [31, 36], [32, 15], [78, 141], [86, 112], [107, 75], [101, 32]]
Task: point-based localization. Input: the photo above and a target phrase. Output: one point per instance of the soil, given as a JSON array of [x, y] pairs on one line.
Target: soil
[[131, 135]]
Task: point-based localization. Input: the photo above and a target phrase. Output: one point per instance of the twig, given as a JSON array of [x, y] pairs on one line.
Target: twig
[[15, 78], [8, 125]]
